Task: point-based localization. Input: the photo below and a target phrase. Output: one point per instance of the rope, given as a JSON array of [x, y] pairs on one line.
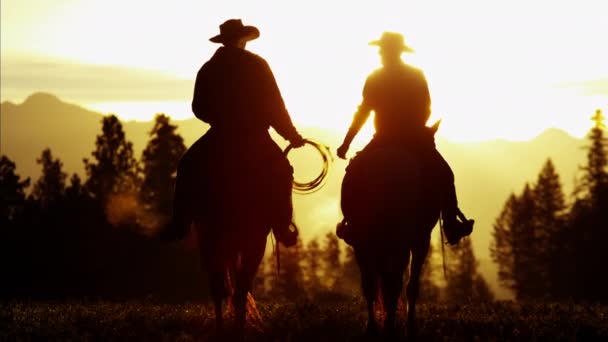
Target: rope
[[445, 272], [318, 182]]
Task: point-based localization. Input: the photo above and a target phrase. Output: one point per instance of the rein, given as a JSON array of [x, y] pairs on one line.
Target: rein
[[311, 186]]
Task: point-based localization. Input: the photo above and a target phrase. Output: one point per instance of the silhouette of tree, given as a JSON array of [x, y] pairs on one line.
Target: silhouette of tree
[[50, 187], [464, 283], [550, 220], [159, 162], [331, 258], [588, 221], [595, 177], [12, 191], [312, 268], [114, 169], [350, 279], [513, 248], [502, 244], [429, 290], [75, 191], [289, 282]]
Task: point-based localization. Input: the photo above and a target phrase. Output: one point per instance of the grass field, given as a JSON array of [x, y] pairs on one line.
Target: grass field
[[300, 321]]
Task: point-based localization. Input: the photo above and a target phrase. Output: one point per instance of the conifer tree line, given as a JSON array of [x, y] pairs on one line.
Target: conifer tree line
[[63, 236], [551, 246]]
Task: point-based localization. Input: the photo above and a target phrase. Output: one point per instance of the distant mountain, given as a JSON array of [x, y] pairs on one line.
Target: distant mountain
[[43, 120], [486, 172]]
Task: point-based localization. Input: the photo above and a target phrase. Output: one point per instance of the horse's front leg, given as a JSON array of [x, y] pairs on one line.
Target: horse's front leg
[[419, 254]]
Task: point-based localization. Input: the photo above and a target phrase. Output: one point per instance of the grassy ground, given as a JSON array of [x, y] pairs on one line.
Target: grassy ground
[[301, 321]]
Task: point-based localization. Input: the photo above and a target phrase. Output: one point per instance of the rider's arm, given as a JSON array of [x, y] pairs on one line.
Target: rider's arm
[[278, 115], [200, 103], [359, 120]]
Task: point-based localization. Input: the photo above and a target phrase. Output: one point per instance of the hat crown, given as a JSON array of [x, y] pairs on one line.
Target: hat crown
[[231, 27], [392, 40]]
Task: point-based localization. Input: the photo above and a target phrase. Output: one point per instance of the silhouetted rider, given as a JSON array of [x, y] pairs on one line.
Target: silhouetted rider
[[399, 96], [237, 95]]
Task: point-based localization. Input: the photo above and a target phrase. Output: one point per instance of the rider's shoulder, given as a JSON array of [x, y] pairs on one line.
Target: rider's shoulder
[[413, 69]]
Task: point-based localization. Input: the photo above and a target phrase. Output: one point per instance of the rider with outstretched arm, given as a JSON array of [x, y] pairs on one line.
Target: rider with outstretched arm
[[399, 96]]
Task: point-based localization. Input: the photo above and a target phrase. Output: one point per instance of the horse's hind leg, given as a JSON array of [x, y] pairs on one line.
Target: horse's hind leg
[[392, 284], [218, 293], [369, 286], [419, 253], [250, 259]]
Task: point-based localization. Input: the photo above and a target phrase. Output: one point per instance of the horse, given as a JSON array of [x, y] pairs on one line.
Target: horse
[[226, 196], [390, 209]]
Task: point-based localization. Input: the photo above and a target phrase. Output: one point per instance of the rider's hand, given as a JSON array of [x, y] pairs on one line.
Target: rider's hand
[[342, 151], [297, 142]]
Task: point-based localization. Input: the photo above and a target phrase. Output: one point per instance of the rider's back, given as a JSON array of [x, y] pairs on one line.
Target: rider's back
[[400, 99]]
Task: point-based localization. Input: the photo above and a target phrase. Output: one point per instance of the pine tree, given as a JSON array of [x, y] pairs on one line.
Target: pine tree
[[429, 290], [313, 266], [516, 236], [12, 192], [550, 210], [114, 169], [464, 283], [588, 222], [50, 187], [502, 244], [350, 279], [288, 283], [159, 161], [595, 178], [331, 259]]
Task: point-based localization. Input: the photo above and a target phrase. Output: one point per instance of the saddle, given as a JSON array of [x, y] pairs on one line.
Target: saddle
[[382, 182], [214, 180]]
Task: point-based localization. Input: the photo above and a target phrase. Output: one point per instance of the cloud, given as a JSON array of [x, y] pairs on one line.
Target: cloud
[[88, 83], [590, 87]]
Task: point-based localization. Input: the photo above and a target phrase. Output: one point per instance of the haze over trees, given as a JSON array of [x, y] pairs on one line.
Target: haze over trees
[[548, 247], [96, 237]]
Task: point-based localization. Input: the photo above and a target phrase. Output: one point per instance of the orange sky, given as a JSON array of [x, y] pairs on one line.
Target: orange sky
[[497, 69]]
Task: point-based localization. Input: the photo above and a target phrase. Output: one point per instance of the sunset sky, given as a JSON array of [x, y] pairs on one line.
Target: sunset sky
[[497, 69]]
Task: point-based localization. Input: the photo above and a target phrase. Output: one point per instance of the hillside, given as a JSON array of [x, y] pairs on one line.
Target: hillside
[[486, 172]]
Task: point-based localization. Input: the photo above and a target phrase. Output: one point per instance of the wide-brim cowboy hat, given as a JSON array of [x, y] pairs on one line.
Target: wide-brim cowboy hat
[[233, 30], [392, 40]]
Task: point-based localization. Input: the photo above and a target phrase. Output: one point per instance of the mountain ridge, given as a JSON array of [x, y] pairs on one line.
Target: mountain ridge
[[486, 172]]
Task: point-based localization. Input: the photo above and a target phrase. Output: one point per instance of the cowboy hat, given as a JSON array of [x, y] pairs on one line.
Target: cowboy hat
[[392, 40], [233, 29]]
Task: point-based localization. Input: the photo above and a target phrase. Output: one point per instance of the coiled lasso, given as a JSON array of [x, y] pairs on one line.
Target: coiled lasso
[[318, 182]]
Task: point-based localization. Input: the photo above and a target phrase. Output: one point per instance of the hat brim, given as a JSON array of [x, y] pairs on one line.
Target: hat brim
[[247, 32], [382, 44]]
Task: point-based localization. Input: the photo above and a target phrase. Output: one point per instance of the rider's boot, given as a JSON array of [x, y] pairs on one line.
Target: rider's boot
[[344, 232], [287, 235], [453, 228]]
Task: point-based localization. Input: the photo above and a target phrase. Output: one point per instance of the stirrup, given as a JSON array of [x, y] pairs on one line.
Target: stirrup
[[289, 236], [455, 230]]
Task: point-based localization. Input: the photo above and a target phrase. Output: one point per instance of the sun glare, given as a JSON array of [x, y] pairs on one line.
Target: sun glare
[[493, 70]]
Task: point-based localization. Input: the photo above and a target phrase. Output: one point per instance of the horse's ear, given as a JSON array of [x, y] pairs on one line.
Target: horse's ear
[[435, 126]]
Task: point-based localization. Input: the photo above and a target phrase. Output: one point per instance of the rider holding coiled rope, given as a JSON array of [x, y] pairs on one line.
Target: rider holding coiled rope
[[237, 95]]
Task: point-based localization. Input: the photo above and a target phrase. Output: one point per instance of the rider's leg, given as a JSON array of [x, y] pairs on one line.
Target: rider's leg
[[453, 228]]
